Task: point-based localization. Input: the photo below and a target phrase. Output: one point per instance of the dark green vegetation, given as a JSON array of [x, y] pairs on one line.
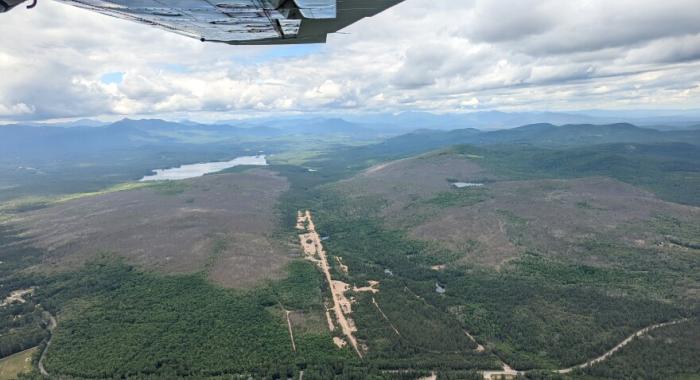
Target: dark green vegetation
[[540, 299], [668, 353], [459, 197], [672, 171], [553, 321], [536, 314], [22, 325], [116, 321]]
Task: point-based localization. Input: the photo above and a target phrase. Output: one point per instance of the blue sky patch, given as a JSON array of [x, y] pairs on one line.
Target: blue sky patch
[[112, 78]]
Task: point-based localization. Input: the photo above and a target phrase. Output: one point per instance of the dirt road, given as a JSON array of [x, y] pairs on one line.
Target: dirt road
[[625, 342], [511, 373], [311, 244], [289, 326], [51, 327], [479, 347], [385, 317], [506, 373]]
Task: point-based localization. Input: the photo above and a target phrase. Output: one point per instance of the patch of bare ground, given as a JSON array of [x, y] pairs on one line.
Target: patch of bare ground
[[329, 320], [340, 342], [506, 373], [479, 347], [433, 376], [219, 224], [343, 267], [373, 288], [17, 296]]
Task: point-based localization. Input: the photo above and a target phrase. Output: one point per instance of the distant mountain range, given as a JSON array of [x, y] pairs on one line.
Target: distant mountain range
[[72, 158], [396, 123], [583, 134], [492, 120], [539, 135], [127, 133]]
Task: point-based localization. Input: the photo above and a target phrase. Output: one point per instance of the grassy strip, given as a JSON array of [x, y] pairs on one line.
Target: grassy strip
[[31, 203]]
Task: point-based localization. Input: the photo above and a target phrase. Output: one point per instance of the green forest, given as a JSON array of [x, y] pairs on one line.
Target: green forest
[[535, 313], [670, 352], [179, 326], [671, 170], [517, 311]]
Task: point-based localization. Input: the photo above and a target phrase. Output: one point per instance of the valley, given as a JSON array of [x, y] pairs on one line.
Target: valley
[[404, 257], [349, 190]]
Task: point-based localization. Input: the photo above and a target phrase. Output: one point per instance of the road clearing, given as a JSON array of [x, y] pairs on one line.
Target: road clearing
[[313, 250], [510, 373], [51, 327], [625, 342], [385, 317], [289, 326]]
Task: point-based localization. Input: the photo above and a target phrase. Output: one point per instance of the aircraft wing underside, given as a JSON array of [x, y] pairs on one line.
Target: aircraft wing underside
[[242, 21]]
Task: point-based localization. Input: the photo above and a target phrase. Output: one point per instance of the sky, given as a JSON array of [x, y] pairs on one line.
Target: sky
[[57, 62]]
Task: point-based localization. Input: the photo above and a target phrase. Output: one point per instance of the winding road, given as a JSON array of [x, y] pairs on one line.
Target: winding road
[[51, 327], [507, 371], [625, 342], [311, 243]]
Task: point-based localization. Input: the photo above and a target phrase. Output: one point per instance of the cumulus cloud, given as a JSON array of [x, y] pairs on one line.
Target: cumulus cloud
[[15, 109], [423, 54]]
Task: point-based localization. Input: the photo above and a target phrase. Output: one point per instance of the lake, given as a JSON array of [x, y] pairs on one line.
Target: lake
[[198, 170]]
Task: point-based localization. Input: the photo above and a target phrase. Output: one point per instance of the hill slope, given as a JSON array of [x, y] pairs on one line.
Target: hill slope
[[545, 272]]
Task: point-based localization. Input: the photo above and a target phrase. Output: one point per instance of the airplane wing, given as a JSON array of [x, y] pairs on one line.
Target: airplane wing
[[239, 22]]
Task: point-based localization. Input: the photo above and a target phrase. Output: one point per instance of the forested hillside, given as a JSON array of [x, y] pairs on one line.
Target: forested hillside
[[538, 249]]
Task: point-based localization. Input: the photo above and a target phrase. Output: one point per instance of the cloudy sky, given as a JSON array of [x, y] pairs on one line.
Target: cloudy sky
[[57, 61]]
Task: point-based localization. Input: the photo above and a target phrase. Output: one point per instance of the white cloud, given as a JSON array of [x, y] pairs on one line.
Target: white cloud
[[440, 55], [15, 109]]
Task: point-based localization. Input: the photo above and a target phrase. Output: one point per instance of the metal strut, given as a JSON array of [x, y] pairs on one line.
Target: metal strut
[[32, 5]]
